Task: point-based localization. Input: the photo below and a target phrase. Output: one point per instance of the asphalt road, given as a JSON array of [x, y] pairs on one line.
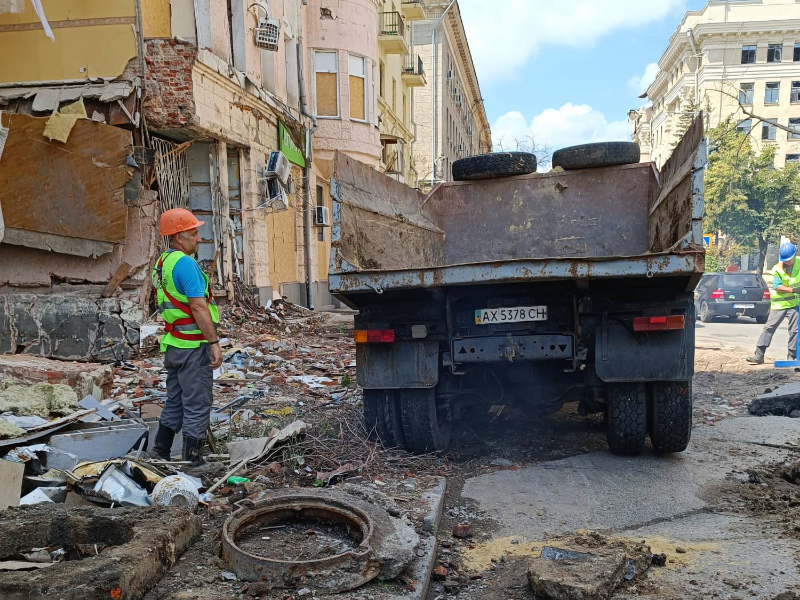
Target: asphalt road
[[741, 334]]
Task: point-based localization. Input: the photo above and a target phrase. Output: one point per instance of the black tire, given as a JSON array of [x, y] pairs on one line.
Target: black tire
[[670, 418], [425, 424], [626, 418], [705, 314], [761, 320], [497, 164], [592, 156], [382, 417]]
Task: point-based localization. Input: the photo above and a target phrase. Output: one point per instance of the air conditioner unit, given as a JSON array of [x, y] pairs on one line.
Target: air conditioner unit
[[278, 166], [322, 217], [268, 34], [276, 195]]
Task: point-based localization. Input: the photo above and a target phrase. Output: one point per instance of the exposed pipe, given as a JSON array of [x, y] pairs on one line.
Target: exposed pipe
[[434, 128], [307, 223]]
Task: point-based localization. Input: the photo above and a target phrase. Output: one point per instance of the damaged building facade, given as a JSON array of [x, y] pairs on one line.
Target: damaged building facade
[[117, 110]]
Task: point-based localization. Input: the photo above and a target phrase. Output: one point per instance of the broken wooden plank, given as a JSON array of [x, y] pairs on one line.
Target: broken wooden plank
[[119, 277]]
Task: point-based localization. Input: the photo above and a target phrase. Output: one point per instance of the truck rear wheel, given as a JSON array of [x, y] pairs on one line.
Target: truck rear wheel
[[670, 419], [382, 417], [591, 156], [626, 418], [425, 423], [496, 164]]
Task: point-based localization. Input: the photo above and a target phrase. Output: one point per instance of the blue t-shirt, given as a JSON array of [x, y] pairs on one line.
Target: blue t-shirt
[[188, 278]]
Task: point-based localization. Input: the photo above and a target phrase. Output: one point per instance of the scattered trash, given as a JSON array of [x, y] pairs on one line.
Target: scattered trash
[[176, 490], [659, 560], [237, 480]]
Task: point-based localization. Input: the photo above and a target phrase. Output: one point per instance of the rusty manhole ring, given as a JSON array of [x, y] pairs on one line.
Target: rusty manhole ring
[[337, 573]]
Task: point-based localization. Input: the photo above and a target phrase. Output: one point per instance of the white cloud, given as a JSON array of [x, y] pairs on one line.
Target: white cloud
[[556, 128], [639, 83], [504, 34]]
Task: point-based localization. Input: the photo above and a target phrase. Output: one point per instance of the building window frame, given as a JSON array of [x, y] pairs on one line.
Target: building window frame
[[774, 53], [745, 129], [746, 93], [749, 55], [769, 131], [772, 94], [363, 76], [317, 54], [794, 123], [796, 53], [792, 158], [794, 98]]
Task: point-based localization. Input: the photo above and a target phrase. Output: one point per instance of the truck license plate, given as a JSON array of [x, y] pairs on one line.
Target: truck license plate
[[744, 306], [520, 314]]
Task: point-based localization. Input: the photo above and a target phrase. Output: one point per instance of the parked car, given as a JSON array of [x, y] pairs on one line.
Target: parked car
[[732, 295]]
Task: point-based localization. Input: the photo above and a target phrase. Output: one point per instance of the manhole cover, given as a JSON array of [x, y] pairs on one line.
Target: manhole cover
[[295, 539]]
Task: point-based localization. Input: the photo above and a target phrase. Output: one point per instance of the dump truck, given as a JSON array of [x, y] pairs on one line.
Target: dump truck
[[516, 288]]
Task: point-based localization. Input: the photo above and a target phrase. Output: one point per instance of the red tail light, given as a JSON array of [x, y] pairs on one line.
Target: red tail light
[[374, 336], [718, 295], [671, 322], [765, 295]]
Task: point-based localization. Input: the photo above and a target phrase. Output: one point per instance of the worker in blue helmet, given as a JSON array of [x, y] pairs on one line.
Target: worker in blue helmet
[[783, 303]]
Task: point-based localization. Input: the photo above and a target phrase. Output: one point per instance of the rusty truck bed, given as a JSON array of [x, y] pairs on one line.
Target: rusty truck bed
[[616, 222]]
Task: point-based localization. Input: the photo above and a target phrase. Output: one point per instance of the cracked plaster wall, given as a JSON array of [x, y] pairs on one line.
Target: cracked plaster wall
[[69, 327]]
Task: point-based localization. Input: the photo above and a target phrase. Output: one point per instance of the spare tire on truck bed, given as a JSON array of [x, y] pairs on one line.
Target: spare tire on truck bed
[[496, 164], [591, 156]]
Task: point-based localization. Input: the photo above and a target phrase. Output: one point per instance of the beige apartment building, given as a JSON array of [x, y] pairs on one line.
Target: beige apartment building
[[449, 113], [731, 54], [400, 73]]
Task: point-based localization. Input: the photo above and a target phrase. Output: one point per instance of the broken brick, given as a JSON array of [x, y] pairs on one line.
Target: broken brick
[[440, 573], [462, 531]]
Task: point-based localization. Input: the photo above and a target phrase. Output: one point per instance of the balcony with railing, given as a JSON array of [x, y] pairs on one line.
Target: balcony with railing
[[413, 10], [413, 71], [392, 33]]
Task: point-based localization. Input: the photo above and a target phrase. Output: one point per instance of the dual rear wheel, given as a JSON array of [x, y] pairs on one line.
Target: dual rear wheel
[[662, 408], [411, 419]]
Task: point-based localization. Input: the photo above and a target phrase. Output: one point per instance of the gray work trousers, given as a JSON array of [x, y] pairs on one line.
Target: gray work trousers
[[773, 322], [189, 390]]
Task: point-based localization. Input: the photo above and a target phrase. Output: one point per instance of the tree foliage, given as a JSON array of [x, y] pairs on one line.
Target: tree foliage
[[689, 112], [747, 198]]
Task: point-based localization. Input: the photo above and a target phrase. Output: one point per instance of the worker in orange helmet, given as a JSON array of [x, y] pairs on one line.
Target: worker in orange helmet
[[190, 344]]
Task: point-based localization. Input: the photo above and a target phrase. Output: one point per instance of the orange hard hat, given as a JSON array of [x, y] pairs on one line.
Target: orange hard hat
[[176, 220]]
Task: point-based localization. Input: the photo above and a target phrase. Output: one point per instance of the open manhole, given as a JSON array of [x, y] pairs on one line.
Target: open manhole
[[301, 540]]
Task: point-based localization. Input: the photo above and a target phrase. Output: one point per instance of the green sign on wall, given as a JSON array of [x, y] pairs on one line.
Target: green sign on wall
[[288, 147]]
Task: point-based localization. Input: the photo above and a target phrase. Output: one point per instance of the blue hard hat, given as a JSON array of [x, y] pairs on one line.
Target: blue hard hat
[[788, 251]]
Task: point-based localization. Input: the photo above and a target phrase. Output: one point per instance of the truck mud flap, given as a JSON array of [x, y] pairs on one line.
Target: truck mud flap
[[517, 348], [623, 355], [399, 365]]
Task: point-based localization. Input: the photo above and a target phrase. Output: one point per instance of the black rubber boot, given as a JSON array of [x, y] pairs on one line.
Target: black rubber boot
[[162, 444], [192, 452], [758, 357]]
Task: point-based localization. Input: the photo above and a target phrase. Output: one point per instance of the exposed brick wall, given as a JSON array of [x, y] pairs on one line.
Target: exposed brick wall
[[169, 101]]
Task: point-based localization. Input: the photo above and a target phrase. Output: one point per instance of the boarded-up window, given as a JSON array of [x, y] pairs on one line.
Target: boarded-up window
[[358, 88], [326, 84]]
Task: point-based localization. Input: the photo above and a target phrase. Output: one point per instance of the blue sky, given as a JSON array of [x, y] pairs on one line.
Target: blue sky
[[567, 71]]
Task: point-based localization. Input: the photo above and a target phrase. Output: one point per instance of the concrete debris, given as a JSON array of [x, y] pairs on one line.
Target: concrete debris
[[564, 575], [782, 401], [130, 549], [587, 566], [42, 399]]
